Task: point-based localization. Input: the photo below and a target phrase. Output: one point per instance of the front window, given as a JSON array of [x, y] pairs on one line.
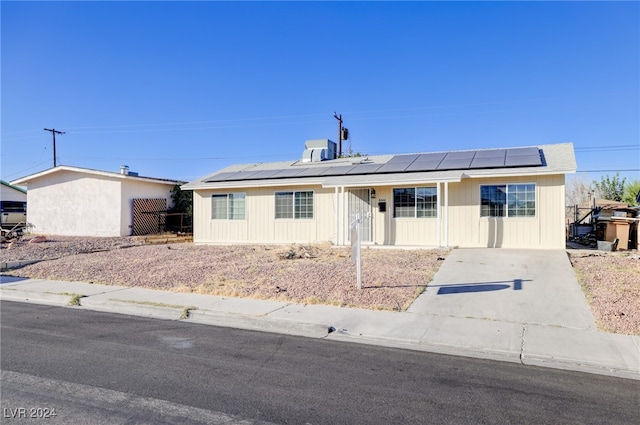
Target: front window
[[228, 206], [415, 202], [508, 200], [296, 205]]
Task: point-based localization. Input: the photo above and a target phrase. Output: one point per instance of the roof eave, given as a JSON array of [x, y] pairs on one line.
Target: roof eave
[[25, 180]]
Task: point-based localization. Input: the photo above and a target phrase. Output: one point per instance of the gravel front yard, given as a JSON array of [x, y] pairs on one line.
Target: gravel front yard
[[318, 274], [611, 282]]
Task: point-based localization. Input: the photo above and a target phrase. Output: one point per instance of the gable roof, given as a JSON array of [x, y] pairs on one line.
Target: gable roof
[[397, 169], [43, 174], [10, 186]]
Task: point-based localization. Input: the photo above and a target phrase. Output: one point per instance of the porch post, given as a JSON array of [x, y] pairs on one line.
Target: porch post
[[337, 215], [342, 218], [438, 215], [446, 214]]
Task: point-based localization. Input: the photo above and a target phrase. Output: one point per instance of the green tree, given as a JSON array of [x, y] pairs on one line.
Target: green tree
[[182, 203], [610, 188], [631, 191]]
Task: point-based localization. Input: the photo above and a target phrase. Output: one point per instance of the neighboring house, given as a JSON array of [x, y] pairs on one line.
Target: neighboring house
[[73, 201], [511, 197], [13, 205]]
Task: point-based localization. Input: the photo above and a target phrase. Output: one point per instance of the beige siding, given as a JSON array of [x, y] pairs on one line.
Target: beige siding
[[388, 230], [260, 225], [545, 230], [465, 226]]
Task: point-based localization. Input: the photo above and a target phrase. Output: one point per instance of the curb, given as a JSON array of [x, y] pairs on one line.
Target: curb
[[9, 265], [56, 299]]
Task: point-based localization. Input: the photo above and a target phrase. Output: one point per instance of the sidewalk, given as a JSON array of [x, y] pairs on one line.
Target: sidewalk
[[554, 346]]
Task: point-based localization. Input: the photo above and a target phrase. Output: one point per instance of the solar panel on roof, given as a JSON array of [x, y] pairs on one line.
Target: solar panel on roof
[[490, 153], [455, 163], [523, 161], [338, 171], [423, 166], [311, 172], [288, 172], [398, 167], [403, 159], [461, 160], [246, 175], [427, 157], [490, 162], [265, 174], [522, 152], [221, 177], [459, 155], [365, 169]]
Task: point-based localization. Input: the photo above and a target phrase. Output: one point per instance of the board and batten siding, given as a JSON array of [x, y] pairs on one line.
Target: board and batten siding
[[545, 230], [260, 224], [389, 230]]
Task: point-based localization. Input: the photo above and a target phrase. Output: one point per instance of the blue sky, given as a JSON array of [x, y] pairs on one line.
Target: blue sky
[[179, 90]]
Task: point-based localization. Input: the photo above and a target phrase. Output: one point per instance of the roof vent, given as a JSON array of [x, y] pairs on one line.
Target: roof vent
[[319, 150], [124, 170]]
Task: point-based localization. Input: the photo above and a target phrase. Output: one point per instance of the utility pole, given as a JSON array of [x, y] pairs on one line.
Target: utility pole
[[54, 132], [343, 133]]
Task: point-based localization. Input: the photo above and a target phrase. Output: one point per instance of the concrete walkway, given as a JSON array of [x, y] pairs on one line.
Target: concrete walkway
[[521, 306]]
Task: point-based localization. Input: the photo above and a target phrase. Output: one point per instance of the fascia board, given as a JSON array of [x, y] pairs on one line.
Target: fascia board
[[41, 174], [252, 184]]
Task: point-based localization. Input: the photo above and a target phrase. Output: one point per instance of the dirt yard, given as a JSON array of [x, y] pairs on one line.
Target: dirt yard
[[611, 282], [318, 274]]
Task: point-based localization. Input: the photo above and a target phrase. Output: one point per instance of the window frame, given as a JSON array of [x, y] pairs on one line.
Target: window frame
[[510, 197], [418, 213], [230, 211], [300, 208]]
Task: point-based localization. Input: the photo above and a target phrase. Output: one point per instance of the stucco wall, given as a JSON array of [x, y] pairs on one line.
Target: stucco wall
[[74, 204], [70, 203]]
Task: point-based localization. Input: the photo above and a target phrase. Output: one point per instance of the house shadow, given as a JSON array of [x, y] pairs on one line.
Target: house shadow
[[11, 279], [463, 288]]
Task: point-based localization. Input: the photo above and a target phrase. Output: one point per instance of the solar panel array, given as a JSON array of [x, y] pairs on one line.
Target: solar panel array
[[442, 161]]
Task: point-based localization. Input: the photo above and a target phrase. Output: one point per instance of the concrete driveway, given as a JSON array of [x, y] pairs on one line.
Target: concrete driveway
[[508, 285]]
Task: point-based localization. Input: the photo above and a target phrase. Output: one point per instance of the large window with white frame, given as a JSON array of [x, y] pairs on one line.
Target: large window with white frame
[[415, 202], [508, 200], [228, 206], [294, 205]]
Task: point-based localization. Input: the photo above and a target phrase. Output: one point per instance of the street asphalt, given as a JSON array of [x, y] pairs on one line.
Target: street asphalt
[[522, 306]]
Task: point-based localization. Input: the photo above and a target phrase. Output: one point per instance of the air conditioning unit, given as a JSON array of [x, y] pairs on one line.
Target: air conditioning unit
[[319, 150]]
